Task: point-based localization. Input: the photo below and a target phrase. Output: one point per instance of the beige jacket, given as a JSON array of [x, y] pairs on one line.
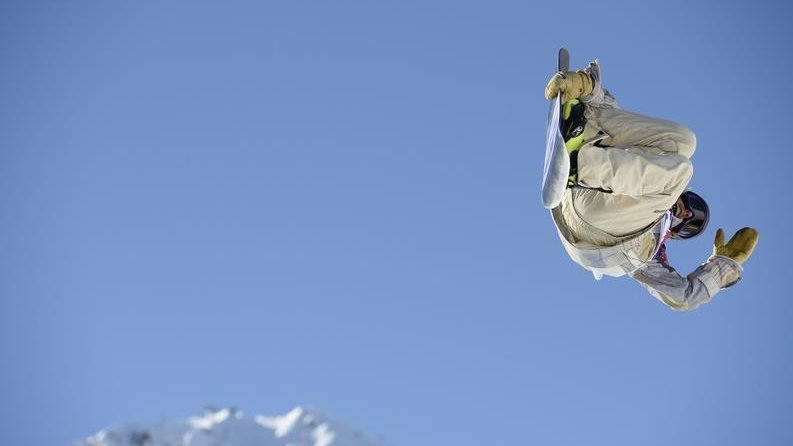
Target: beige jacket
[[631, 170]]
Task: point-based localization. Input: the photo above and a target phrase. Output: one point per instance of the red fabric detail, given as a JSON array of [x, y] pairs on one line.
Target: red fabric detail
[[661, 255]]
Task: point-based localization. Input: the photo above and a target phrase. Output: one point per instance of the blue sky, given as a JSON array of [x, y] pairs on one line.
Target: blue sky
[[266, 204]]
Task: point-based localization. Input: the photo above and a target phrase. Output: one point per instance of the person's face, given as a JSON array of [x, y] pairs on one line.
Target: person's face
[[681, 211]]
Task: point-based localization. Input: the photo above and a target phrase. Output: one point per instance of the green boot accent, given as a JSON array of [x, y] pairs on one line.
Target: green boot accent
[[573, 124]]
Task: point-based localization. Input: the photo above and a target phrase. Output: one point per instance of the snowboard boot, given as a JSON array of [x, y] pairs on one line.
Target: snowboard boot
[[573, 125]]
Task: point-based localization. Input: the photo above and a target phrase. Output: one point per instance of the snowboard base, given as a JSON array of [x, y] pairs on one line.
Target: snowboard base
[[557, 161]]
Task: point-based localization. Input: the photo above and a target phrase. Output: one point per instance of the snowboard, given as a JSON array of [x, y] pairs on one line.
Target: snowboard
[[557, 161]]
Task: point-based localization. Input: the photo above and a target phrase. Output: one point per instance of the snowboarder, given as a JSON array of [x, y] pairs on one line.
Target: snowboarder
[[627, 196]]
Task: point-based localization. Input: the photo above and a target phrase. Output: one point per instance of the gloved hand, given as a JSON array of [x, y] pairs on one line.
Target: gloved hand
[[740, 246], [572, 85]]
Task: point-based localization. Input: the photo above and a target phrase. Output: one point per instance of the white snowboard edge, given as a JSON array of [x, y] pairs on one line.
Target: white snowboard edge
[[557, 162]]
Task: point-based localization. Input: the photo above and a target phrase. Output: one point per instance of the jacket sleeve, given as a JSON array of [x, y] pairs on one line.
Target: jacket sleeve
[[600, 97], [687, 293]]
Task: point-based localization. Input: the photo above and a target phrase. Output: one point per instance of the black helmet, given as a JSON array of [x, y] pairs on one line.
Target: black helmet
[[700, 214]]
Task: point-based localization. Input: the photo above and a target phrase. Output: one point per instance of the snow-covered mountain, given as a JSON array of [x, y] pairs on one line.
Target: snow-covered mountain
[[230, 427]]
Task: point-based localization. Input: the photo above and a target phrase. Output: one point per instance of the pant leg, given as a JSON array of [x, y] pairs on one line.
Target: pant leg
[[633, 171], [618, 215], [656, 136]]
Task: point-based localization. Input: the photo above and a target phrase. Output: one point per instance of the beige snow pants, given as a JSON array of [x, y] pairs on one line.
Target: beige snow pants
[[645, 164]]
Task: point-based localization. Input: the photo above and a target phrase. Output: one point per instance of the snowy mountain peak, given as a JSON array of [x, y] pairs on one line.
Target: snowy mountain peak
[[212, 417], [230, 427], [283, 424]]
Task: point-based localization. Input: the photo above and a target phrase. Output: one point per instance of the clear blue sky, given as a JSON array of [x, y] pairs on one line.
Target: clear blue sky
[[266, 204]]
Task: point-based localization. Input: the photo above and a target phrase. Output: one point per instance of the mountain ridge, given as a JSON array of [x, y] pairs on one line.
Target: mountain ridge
[[301, 426]]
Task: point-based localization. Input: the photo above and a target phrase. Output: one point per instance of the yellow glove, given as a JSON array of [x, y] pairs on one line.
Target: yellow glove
[[572, 85], [740, 246]]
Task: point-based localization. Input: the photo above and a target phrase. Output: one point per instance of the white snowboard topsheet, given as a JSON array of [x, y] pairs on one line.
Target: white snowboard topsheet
[[557, 161]]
